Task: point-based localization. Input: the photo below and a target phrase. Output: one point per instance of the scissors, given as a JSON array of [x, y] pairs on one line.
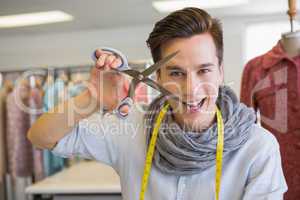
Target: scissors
[[137, 77]]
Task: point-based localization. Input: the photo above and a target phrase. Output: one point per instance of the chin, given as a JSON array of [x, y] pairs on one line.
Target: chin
[[193, 117]]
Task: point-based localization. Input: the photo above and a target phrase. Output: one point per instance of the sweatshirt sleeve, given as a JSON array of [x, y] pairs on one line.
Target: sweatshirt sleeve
[[91, 138]]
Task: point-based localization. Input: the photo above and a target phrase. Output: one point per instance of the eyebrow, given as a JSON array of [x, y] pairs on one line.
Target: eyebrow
[[206, 65], [176, 67]]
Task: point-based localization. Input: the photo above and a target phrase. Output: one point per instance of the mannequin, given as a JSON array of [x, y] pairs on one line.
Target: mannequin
[[291, 40], [274, 85]]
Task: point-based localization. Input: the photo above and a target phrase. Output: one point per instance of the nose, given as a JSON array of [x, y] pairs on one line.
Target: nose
[[192, 87]]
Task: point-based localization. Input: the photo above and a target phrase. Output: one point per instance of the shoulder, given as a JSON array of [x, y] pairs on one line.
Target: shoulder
[[261, 141], [256, 66], [253, 66], [255, 61], [261, 147]]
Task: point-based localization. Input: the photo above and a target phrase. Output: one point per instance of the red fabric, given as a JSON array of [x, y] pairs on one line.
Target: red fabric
[[271, 84]]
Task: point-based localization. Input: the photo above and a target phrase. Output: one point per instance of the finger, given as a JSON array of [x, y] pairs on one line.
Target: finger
[[116, 63], [124, 109], [99, 52], [109, 59], [101, 61]]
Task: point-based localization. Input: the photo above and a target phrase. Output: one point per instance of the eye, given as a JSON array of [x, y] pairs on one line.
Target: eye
[[176, 73], [204, 71]]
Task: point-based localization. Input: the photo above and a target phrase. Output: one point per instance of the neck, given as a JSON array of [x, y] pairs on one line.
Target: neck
[[291, 43]]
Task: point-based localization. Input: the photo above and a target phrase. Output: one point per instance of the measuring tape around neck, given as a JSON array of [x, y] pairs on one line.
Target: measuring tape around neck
[[150, 153]]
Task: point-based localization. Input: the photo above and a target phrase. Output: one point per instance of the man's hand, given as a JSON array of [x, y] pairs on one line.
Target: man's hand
[[108, 85]]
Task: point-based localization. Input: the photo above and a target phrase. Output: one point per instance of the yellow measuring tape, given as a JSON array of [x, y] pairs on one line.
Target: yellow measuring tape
[[219, 154], [149, 156]]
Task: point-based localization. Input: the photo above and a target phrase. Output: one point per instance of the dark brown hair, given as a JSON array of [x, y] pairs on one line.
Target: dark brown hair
[[184, 24]]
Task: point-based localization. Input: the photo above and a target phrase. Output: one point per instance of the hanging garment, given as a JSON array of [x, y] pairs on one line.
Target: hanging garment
[[20, 185], [54, 94], [17, 122], [271, 84], [36, 105], [9, 187], [8, 84], [2, 190], [3, 159], [75, 89], [20, 159]]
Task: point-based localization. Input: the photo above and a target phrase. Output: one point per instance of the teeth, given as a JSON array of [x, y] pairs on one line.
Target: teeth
[[195, 105]]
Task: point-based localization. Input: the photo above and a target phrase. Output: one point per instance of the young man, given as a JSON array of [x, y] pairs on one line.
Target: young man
[[184, 161]]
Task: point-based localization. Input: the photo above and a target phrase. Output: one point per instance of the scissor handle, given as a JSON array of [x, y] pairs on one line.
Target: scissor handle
[[124, 60], [127, 101]]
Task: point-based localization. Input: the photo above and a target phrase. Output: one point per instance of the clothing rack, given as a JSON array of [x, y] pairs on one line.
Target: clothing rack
[[71, 69], [44, 72], [54, 71]]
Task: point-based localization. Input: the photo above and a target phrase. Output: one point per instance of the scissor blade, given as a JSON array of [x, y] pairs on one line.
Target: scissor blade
[[157, 65], [129, 72], [161, 89], [132, 87]]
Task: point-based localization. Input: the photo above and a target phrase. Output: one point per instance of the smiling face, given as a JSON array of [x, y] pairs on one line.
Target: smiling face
[[194, 75]]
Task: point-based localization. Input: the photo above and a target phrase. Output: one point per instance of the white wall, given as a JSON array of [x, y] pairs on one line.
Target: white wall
[[233, 52], [63, 49]]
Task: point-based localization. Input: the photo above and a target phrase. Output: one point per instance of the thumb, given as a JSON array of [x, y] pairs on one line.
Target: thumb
[[124, 109]]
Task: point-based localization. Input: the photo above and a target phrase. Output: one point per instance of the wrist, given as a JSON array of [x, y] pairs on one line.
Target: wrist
[[85, 103]]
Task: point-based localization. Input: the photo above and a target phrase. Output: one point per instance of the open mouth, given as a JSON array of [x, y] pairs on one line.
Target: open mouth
[[194, 106]]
